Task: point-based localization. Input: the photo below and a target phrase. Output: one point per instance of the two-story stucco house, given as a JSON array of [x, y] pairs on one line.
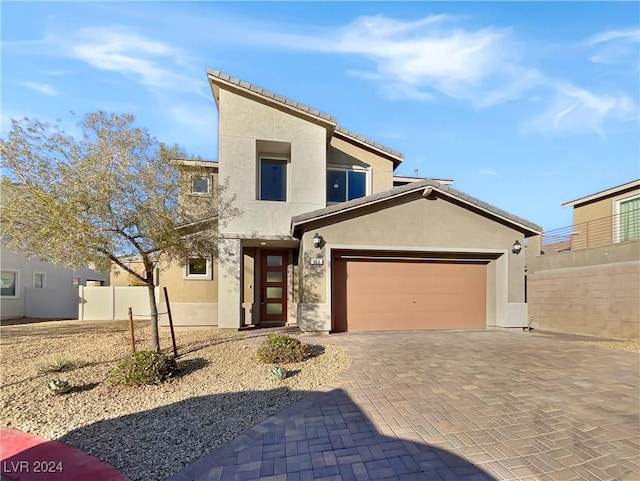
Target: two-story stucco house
[[329, 239]]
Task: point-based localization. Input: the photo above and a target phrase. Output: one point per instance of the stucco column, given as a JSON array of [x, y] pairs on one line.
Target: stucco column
[[229, 288]]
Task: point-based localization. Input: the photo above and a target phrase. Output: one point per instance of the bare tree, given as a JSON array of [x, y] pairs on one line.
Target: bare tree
[[111, 194]]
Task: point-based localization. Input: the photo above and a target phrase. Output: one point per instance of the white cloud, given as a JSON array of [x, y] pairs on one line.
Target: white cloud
[[43, 88], [629, 34], [417, 59], [615, 47], [576, 110], [439, 57], [155, 64]]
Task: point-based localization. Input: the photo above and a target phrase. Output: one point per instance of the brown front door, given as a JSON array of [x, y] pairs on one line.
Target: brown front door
[[273, 286]]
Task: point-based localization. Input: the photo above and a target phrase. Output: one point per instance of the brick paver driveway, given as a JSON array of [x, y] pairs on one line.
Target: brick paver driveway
[[475, 405]]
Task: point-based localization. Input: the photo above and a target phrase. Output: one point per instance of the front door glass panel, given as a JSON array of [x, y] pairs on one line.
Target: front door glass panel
[[274, 308], [274, 276], [273, 261], [274, 292]]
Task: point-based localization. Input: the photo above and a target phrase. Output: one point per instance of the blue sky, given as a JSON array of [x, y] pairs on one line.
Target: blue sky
[[524, 105]]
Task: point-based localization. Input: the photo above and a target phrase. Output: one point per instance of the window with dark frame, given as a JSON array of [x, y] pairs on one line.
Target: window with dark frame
[[343, 185], [273, 179]]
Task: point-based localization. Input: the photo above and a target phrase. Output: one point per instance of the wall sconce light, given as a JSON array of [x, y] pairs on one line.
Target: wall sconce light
[[317, 241], [517, 247]]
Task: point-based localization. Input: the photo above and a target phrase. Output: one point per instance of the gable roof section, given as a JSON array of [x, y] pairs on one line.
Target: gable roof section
[[428, 187], [247, 89], [349, 135], [634, 184]]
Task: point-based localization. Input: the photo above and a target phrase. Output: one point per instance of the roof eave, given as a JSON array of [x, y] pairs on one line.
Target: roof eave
[[603, 193], [427, 188], [273, 100], [396, 159]]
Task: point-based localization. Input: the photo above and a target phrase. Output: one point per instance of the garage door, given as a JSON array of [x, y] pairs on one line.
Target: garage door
[[387, 294]]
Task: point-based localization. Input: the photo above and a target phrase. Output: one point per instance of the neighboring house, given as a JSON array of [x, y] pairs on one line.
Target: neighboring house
[[119, 277], [33, 288], [331, 240], [585, 278]]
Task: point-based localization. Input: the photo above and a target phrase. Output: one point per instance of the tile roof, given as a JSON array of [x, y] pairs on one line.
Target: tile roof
[[254, 89], [530, 227], [365, 140], [604, 193], [269, 95]]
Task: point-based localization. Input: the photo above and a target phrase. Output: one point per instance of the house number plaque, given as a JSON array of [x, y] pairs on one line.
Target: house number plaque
[[317, 262]]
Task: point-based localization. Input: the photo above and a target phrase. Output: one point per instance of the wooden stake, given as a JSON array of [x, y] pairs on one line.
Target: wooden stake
[[133, 337], [173, 336]]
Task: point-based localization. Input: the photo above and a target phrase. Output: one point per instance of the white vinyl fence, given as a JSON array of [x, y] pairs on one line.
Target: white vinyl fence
[[112, 302]]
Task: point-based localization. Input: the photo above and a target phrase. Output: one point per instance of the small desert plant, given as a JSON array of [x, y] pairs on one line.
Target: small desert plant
[[58, 386], [61, 365], [144, 367], [278, 372], [279, 348]]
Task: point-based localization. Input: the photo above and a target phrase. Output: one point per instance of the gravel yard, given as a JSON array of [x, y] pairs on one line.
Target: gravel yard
[[630, 345], [148, 432]]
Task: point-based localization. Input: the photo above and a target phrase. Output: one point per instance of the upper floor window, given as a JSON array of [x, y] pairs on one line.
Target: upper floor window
[[343, 185], [200, 184], [10, 281], [629, 220], [273, 179]]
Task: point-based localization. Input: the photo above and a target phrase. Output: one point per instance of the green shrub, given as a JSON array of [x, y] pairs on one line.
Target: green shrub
[[279, 348], [58, 386], [61, 365], [144, 367]]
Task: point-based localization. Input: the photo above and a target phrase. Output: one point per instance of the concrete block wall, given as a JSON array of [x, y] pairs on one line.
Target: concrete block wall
[[601, 300]]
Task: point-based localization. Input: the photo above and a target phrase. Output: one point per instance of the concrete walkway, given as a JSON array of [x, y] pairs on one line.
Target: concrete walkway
[[446, 406]]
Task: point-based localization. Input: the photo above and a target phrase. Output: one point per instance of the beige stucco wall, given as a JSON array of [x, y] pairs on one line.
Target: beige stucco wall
[[188, 290], [416, 224], [119, 277], [243, 122], [190, 201], [344, 153], [194, 302]]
